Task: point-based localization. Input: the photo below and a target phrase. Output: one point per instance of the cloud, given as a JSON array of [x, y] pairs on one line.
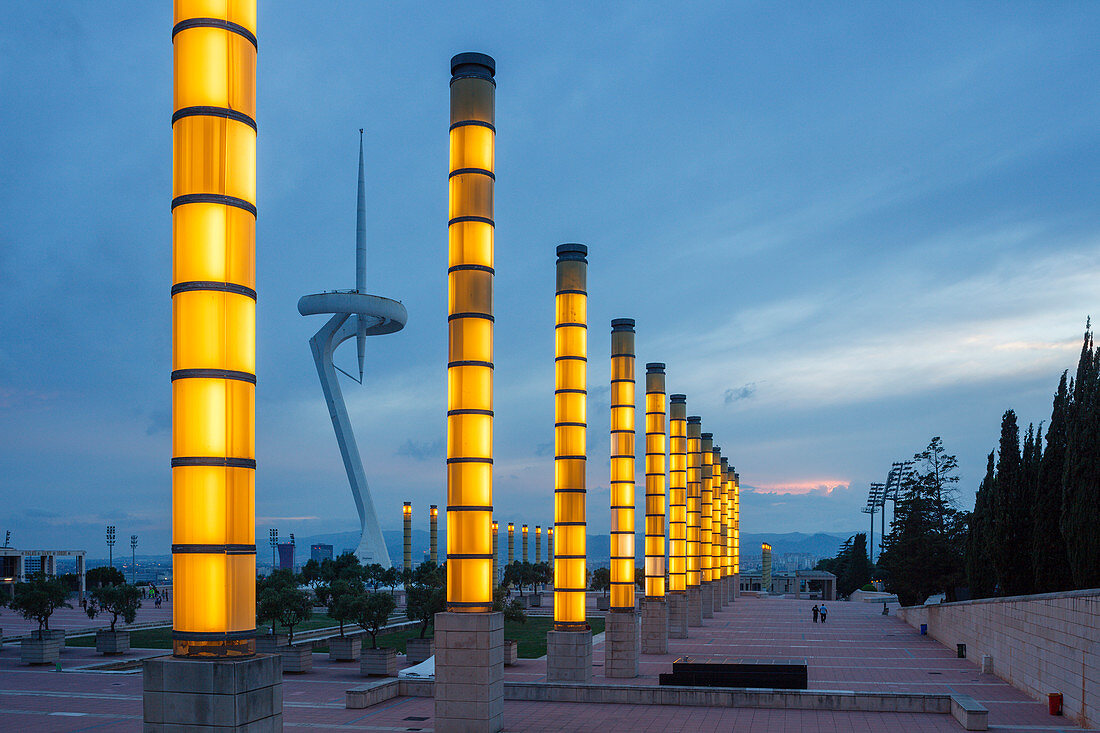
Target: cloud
[[744, 392], [820, 487], [421, 451], [544, 449], [160, 421]]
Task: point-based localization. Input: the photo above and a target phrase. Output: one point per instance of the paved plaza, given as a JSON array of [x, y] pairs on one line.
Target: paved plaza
[[858, 649]]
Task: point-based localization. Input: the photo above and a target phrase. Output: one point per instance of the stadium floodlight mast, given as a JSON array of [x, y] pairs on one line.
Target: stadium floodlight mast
[[111, 545], [875, 500], [133, 558], [273, 538]]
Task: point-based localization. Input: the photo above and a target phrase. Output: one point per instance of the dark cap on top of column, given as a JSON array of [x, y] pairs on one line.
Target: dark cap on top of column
[[622, 324], [655, 366], [678, 398], [717, 449], [694, 418], [705, 436], [471, 64], [572, 251]]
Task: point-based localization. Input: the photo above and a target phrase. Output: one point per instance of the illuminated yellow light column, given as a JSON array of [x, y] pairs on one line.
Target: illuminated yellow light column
[[694, 567], [706, 521], [407, 518], [718, 537], [511, 543], [737, 532], [655, 471], [654, 607], [677, 516], [765, 567], [469, 623], [569, 645], [470, 327], [433, 534], [538, 544], [727, 532], [213, 329], [731, 573], [570, 429], [525, 555], [496, 552], [550, 545], [622, 465]]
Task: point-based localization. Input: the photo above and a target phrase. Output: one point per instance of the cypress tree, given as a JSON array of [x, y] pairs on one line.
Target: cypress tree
[[980, 572], [1011, 514], [1048, 544], [1081, 477]]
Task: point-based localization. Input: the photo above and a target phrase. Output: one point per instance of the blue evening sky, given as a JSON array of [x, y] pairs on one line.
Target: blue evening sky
[[845, 228]]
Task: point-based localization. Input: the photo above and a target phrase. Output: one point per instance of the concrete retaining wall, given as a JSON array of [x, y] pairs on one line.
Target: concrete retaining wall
[[1039, 644]]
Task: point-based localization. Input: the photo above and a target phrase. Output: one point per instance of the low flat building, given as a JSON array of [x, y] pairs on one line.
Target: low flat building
[[813, 584], [17, 565]]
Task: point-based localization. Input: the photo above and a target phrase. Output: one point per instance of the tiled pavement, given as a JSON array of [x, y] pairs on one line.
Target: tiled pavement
[[75, 619], [859, 649]]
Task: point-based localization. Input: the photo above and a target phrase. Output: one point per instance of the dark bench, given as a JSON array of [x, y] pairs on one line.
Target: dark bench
[[784, 674]]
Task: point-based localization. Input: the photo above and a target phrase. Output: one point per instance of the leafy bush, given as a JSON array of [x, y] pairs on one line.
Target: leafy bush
[[38, 598], [117, 600]]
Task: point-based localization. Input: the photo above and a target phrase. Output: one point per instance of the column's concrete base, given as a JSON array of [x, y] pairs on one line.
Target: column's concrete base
[[695, 606], [469, 672], [719, 594], [654, 625], [569, 656], [707, 589], [735, 588], [213, 695], [677, 616], [622, 644]]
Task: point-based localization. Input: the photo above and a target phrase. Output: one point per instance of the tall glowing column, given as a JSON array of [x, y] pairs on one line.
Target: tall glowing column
[[496, 552], [511, 543], [525, 555], [765, 567], [731, 534], [214, 330], [654, 606], [214, 370], [706, 521], [433, 534], [550, 545], [569, 645], [737, 533], [623, 626], [469, 622], [538, 544], [677, 517], [694, 568], [727, 533], [718, 541], [407, 536]]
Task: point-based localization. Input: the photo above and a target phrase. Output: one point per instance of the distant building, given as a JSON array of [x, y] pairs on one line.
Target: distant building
[[816, 584], [320, 552], [17, 565], [286, 555]]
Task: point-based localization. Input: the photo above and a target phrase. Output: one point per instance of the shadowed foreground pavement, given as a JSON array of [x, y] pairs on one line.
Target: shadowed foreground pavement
[[858, 649]]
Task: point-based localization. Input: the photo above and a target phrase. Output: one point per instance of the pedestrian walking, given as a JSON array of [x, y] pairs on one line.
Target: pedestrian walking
[[815, 610], [824, 612]]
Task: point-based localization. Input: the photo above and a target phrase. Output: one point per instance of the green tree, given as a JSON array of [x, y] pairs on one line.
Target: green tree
[[1081, 474], [1012, 507], [283, 603], [38, 598], [1048, 544], [117, 600], [426, 594], [372, 612], [103, 575], [851, 566], [374, 575], [923, 553], [601, 580], [512, 610], [980, 572]]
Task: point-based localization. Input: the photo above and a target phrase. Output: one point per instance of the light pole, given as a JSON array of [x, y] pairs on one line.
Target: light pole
[[273, 538], [133, 558], [111, 545]]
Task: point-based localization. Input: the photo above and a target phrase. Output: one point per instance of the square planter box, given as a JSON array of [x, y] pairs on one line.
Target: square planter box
[[57, 635], [511, 652], [271, 643], [39, 651], [297, 659], [344, 648], [603, 604], [378, 662], [112, 642], [524, 601], [536, 600], [418, 650]]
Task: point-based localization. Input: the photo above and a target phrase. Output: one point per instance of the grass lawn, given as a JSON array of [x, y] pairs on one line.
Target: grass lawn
[[530, 635]]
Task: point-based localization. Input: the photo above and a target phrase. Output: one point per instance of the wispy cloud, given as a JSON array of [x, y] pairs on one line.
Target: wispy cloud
[[744, 392], [822, 487], [420, 450]]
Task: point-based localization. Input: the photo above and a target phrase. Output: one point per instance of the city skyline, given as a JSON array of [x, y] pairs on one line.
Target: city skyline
[[851, 251]]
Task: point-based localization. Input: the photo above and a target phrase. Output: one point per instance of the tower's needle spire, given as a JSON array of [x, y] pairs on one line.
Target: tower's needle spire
[[361, 254]]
